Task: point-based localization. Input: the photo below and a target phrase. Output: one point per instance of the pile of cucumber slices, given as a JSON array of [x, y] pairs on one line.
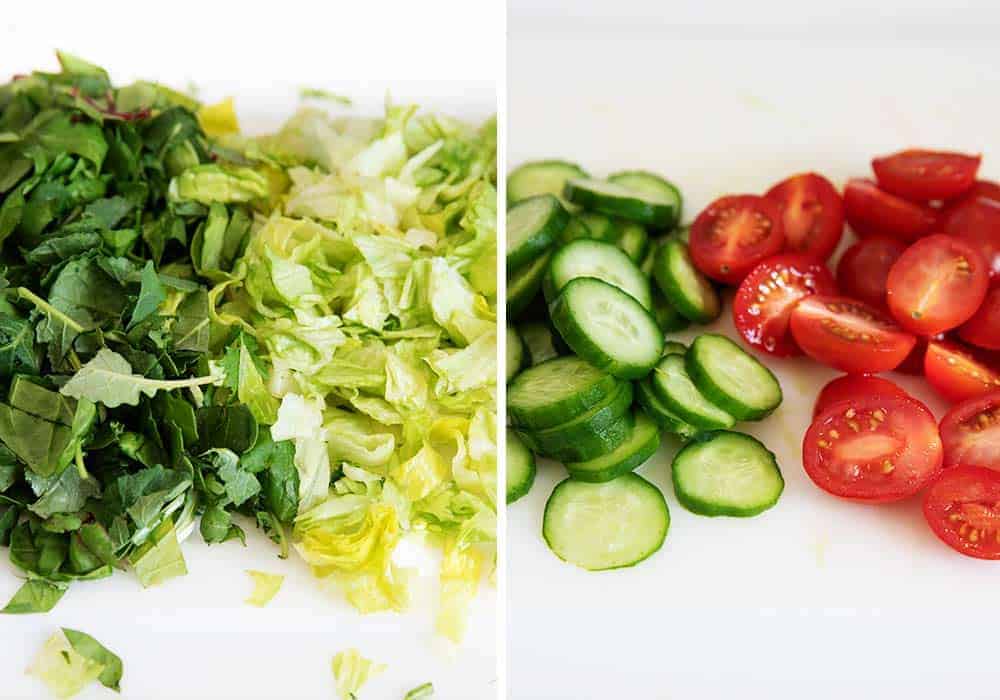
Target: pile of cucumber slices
[[597, 273]]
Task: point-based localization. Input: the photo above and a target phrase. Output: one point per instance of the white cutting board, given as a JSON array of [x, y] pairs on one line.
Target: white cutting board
[[818, 598], [194, 637]]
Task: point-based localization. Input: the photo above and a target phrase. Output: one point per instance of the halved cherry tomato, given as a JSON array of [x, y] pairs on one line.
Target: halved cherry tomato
[[976, 220], [958, 373], [925, 175], [980, 188], [873, 449], [850, 386], [870, 210], [937, 284], [970, 432], [963, 509], [766, 297], [864, 268], [914, 362], [733, 234], [812, 214], [849, 335], [983, 329]]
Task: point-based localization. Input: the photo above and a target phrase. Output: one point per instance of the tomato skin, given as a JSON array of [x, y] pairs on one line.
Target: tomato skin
[[962, 499], [914, 362], [763, 304], [849, 335], [980, 188], [937, 284], [812, 214], [718, 237], [870, 211], [957, 373], [864, 268], [976, 220], [921, 176], [873, 449], [849, 386], [983, 329], [970, 432]]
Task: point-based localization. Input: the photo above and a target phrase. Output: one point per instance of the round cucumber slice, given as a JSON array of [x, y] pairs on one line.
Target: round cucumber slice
[[683, 285], [515, 353], [679, 394], [726, 473], [532, 227], [540, 177], [597, 432], [556, 392], [603, 261], [667, 317], [624, 202], [539, 342], [732, 378], [520, 468], [652, 185], [523, 286], [663, 416], [633, 240], [609, 525], [641, 444]]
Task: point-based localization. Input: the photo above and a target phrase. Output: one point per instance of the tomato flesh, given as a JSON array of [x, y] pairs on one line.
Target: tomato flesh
[[850, 386], [983, 329], [921, 175], [937, 284], [733, 234], [976, 221], [873, 448], [849, 335], [958, 373], [812, 214], [963, 509], [864, 268], [870, 210], [764, 302], [970, 432]]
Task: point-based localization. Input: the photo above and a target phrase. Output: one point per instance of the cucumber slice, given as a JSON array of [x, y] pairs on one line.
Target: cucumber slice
[[575, 230], [556, 392], [523, 286], [532, 227], [732, 378], [641, 444], [539, 342], [672, 347], [726, 473], [683, 285], [540, 177], [605, 526], [667, 317], [597, 432], [617, 200], [647, 261], [607, 327], [679, 394], [652, 185], [515, 353], [603, 261], [663, 416], [633, 239], [520, 468], [599, 227]]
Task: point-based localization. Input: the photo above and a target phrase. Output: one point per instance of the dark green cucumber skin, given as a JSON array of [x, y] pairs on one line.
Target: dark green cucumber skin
[[539, 341], [657, 215], [672, 347], [523, 286], [550, 416], [522, 489], [634, 460], [672, 291], [543, 239], [713, 392], [576, 338], [654, 550], [695, 419], [549, 290], [602, 430], [661, 415], [712, 510], [512, 371], [634, 241], [575, 229], [513, 190], [667, 317], [623, 177]]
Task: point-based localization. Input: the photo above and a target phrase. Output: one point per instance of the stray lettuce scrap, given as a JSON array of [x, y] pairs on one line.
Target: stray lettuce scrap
[[70, 660], [351, 671]]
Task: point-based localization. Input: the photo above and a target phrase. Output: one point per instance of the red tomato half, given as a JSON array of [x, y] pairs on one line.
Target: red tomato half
[[849, 335], [970, 432], [981, 188], [812, 214], [864, 268], [766, 297], [870, 210], [873, 449], [925, 175], [983, 329], [976, 221], [963, 509], [733, 234], [958, 373], [850, 386], [914, 362], [937, 284]]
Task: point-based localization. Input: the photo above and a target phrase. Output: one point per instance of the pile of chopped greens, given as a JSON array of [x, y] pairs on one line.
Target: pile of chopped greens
[[200, 329]]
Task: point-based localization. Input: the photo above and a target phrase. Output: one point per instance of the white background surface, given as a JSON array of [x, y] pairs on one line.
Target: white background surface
[[194, 637], [817, 598]]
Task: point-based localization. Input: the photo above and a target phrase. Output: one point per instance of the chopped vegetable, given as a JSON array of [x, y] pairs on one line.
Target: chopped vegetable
[[70, 661], [265, 587], [351, 671]]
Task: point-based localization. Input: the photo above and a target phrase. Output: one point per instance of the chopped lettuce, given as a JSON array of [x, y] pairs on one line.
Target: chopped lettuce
[[265, 587], [351, 671], [70, 660]]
